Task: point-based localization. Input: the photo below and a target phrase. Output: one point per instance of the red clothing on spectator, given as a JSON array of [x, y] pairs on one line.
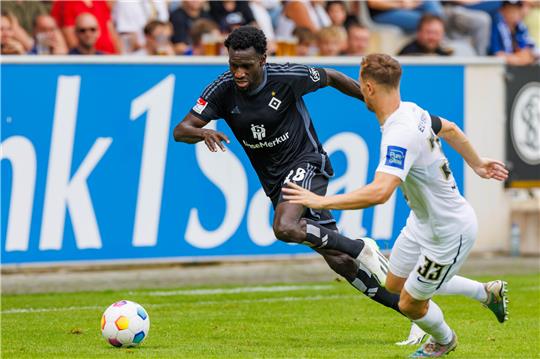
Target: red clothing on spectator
[[65, 13]]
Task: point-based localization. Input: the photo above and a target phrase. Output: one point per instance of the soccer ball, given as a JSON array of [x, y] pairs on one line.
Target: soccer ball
[[125, 324]]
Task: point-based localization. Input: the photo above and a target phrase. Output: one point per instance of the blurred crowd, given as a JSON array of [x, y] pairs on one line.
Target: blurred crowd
[[508, 29]]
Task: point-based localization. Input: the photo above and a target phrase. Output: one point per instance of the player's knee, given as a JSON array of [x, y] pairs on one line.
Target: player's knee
[[412, 308], [286, 231], [342, 264]]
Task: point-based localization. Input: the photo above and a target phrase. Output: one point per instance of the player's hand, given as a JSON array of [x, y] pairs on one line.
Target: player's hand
[[293, 193], [213, 140], [491, 169]]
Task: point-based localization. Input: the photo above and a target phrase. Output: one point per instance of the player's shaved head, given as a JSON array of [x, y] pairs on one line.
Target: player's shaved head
[[245, 37], [381, 68]]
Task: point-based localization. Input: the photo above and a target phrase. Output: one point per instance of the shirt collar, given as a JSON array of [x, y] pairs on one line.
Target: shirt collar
[[261, 85]]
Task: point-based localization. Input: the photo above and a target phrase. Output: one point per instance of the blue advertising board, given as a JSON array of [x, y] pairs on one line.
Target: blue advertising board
[[90, 170]]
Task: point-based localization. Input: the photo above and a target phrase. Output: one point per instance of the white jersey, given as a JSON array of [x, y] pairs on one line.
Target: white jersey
[[411, 151]]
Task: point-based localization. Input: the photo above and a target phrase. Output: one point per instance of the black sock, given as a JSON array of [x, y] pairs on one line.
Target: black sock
[[370, 287], [318, 236]]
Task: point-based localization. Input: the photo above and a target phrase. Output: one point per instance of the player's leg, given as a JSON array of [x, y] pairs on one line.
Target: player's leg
[[403, 260], [463, 286], [364, 250], [289, 226], [424, 313], [360, 278], [493, 295], [428, 315], [291, 223], [292, 228], [439, 262]]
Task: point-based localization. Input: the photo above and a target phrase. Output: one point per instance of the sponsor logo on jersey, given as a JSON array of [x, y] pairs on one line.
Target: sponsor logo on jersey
[[267, 144], [274, 103], [259, 132], [395, 156], [422, 123], [314, 74], [200, 105]]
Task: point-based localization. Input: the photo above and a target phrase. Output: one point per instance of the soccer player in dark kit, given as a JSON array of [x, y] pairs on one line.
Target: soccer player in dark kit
[[262, 104]]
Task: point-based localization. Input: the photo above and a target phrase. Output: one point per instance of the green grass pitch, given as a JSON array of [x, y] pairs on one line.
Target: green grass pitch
[[303, 320]]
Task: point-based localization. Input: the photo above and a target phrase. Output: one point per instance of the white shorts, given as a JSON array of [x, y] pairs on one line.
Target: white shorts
[[428, 261]]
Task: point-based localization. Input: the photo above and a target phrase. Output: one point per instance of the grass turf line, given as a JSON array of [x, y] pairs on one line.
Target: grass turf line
[[316, 320]]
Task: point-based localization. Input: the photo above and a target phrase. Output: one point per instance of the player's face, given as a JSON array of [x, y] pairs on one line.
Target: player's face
[[246, 67]]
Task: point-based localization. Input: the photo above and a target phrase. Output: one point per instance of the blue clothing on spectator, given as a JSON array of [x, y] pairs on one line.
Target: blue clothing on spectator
[[407, 19], [491, 7], [502, 38], [75, 51]]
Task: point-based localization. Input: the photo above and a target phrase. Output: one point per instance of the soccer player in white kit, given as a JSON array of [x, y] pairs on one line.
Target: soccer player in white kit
[[442, 227]]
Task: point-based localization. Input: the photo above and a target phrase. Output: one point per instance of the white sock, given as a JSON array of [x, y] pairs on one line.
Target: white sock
[[433, 323], [464, 286]]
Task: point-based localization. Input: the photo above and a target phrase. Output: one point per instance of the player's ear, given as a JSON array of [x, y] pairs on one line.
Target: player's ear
[[370, 88], [262, 59]]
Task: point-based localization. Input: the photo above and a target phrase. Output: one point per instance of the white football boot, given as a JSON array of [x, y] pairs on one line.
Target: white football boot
[[373, 260]]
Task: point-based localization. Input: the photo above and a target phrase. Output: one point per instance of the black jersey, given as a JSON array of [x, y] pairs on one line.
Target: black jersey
[[271, 122]]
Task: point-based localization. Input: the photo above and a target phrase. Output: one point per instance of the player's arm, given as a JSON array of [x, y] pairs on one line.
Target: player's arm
[[190, 130], [377, 192], [343, 83], [484, 167]]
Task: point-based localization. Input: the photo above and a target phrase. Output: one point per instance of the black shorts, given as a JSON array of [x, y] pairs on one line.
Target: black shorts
[[309, 176]]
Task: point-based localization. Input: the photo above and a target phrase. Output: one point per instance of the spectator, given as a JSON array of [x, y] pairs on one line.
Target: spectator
[[404, 14], [332, 41], [509, 35], [8, 43], [307, 42], [263, 19], [359, 36], [65, 13], [48, 39], [182, 19], [25, 12], [302, 13], [202, 30], [462, 21], [231, 14], [87, 32], [337, 11], [428, 39], [18, 33], [158, 35], [130, 17]]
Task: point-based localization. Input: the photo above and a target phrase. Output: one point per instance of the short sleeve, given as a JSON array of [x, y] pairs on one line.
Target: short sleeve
[[436, 124], [70, 13], [209, 105], [399, 151], [57, 12], [305, 79]]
